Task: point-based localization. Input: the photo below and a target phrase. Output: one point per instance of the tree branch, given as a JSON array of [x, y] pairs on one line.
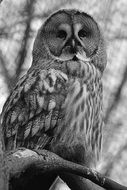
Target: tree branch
[[3, 171], [4, 70], [45, 161], [112, 106], [24, 45]]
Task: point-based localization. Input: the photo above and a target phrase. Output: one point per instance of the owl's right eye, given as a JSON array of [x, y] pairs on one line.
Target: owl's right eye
[[61, 34]]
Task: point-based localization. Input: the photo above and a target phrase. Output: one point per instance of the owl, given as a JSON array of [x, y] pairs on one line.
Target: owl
[[57, 104]]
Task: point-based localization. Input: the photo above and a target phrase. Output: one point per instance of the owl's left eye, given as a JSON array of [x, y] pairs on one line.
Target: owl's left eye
[[83, 33], [61, 34]]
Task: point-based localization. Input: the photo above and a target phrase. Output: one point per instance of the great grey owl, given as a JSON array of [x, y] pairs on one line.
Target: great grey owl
[[57, 105]]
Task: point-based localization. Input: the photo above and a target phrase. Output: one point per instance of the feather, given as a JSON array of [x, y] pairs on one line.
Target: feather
[[33, 108]]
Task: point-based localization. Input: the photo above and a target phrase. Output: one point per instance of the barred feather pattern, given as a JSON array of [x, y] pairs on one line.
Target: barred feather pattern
[[59, 110], [79, 136]]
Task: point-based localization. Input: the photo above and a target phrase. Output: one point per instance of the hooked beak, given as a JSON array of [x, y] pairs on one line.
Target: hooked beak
[[73, 48], [73, 43], [77, 55]]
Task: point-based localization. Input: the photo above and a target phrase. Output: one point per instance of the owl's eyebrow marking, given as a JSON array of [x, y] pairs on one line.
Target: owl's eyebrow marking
[[77, 27], [65, 27]]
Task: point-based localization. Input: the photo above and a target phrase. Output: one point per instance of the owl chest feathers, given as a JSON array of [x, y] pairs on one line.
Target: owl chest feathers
[[75, 136], [50, 106]]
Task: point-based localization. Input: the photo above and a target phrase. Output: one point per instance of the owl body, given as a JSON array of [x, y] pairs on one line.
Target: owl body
[[57, 105], [55, 108]]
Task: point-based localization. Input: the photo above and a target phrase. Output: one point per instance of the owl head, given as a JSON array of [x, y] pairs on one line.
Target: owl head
[[70, 35]]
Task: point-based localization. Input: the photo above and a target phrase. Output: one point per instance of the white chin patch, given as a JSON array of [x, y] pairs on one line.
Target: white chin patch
[[82, 56], [64, 57]]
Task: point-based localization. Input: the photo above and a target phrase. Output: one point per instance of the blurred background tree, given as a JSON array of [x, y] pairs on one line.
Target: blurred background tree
[[19, 22]]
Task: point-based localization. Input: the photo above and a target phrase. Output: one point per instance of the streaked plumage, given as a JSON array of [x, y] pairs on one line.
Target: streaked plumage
[[57, 105]]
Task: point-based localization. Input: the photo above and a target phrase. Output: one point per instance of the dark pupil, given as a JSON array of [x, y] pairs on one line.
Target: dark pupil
[[82, 33], [61, 34]]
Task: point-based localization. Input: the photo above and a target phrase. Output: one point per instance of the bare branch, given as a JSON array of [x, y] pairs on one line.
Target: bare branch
[[5, 71], [117, 96], [1, 1], [23, 51], [45, 161], [3, 171]]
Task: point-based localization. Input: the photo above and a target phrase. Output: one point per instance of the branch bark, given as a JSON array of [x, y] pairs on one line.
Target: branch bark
[[45, 161]]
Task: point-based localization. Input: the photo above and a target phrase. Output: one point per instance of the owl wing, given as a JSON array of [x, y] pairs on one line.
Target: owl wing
[[34, 109]]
